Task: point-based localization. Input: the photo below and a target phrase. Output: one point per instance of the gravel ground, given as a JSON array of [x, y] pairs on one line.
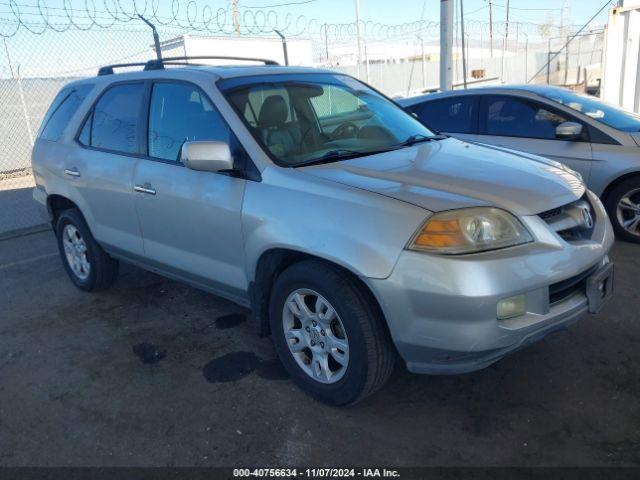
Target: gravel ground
[[155, 373]]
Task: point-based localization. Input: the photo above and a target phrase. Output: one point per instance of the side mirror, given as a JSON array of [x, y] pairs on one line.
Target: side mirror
[[207, 156], [569, 131]]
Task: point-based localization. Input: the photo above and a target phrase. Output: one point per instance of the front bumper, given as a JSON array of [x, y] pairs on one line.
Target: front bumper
[[442, 310]]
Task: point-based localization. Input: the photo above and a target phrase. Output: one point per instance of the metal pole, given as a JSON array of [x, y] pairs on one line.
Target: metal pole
[[326, 42], [358, 34], [446, 44], [156, 38], [23, 102], [424, 73], [284, 47], [491, 28], [464, 56], [526, 57], [366, 60], [504, 43]]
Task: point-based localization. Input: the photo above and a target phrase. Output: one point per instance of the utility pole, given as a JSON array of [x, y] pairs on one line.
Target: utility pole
[[358, 34], [491, 27], [446, 44], [504, 43], [464, 56]]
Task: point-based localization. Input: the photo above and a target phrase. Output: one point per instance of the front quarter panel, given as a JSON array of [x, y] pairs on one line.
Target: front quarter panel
[[359, 230]]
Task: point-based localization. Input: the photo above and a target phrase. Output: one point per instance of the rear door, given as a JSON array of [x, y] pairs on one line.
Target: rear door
[[190, 220], [102, 171], [455, 115], [530, 126]]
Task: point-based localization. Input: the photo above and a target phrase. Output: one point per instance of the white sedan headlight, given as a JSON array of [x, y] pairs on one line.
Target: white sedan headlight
[[470, 230]]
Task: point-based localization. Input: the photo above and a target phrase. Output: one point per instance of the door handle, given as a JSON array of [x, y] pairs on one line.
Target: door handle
[[146, 188], [72, 172]]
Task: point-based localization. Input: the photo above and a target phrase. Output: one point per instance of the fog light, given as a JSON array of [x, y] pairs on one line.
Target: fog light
[[511, 307]]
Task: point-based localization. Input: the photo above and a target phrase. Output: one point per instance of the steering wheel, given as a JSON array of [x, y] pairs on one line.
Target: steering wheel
[[345, 130]]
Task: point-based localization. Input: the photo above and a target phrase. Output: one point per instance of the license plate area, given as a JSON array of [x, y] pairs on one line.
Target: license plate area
[[600, 288]]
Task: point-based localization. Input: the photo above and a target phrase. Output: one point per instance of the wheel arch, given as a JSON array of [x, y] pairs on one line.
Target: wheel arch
[[272, 263], [58, 203], [617, 181]]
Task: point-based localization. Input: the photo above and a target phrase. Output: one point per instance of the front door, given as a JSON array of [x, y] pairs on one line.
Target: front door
[[190, 220], [529, 126]]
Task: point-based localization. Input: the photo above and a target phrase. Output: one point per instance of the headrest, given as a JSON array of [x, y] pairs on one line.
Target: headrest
[[274, 112]]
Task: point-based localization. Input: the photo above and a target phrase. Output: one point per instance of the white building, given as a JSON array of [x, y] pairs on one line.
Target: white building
[[299, 51], [621, 69]]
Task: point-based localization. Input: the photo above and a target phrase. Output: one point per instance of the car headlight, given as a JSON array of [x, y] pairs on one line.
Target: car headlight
[[469, 230]]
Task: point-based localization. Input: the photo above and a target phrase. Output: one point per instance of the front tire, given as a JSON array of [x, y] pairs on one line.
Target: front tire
[[623, 207], [329, 334], [89, 267]]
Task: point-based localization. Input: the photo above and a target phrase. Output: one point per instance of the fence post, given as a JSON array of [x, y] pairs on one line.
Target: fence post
[[25, 111]]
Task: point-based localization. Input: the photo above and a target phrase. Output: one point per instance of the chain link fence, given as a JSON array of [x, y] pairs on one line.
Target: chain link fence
[[44, 47]]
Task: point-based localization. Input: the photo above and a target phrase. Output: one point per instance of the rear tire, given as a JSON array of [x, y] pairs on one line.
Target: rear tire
[[623, 207], [336, 313], [89, 267]]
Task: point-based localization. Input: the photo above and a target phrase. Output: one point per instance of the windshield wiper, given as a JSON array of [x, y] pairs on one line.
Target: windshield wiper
[[413, 139], [337, 155]]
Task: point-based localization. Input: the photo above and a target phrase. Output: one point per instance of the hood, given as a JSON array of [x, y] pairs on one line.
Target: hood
[[449, 174]]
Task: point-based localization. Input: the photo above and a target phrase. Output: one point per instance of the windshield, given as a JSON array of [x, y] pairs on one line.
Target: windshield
[[603, 112], [310, 118]]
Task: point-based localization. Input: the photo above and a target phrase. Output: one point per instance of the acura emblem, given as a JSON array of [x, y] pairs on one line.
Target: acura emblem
[[587, 219]]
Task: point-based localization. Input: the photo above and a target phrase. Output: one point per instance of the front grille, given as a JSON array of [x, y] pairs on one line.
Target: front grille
[[554, 212], [568, 220], [564, 289]]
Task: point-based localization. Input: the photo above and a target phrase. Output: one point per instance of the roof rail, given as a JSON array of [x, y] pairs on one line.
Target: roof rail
[[266, 61], [108, 69], [157, 64]]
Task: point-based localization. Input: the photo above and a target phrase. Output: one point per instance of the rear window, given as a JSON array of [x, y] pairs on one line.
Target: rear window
[[450, 115], [64, 106]]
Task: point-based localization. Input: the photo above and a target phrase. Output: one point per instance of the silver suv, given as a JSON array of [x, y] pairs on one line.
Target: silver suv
[[353, 232]]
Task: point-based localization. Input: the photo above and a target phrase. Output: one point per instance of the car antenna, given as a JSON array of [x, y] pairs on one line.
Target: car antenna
[[156, 38]]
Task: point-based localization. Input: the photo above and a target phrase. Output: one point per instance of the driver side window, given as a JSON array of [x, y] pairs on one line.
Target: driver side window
[[508, 116]]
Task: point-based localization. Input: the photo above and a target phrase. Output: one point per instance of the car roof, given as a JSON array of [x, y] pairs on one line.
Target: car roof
[[542, 90], [215, 71]]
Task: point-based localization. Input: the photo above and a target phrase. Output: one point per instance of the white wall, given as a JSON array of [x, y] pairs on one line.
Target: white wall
[[621, 69]]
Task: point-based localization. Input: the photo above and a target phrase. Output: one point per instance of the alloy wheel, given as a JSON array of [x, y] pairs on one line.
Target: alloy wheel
[[75, 250], [628, 212], [315, 335]]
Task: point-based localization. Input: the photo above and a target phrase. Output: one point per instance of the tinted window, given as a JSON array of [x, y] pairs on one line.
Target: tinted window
[[454, 115], [64, 106], [115, 122], [180, 113], [515, 117]]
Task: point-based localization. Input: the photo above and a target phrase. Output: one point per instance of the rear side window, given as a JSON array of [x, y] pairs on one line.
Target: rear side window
[[64, 106], [451, 115], [114, 123]]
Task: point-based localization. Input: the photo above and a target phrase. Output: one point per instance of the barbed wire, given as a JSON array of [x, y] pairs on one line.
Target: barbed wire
[[39, 16]]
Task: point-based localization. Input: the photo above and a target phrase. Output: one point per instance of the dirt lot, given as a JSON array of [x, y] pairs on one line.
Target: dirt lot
[[156, 373]]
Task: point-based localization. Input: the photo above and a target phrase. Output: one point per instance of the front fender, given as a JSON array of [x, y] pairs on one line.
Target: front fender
[[362, 231]]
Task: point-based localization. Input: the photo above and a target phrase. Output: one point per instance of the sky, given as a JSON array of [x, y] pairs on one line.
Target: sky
[[399, 11], [52, 51]]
